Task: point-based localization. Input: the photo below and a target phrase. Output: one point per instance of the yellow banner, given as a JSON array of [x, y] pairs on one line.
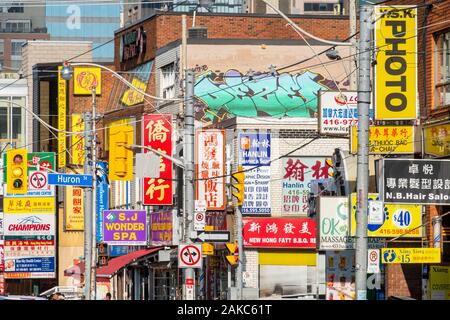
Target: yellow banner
[[77, 140], [386, 139], [410, 255], [207, 249], [439, 283], [74, 206], [61, 120], [131, 97], [395, 220], [396, 69], [437, 140], [29, 205], [86, 78]]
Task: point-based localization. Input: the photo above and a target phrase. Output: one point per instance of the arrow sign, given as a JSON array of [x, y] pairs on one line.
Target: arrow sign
[[213, 236], [62, 179]]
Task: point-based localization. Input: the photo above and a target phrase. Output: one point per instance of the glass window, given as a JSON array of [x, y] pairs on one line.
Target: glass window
[[18, 8], [442, 87], [3, 121], [11, 119], [311, 6], [16, 64], [2, 47], [16, 47], [18, 26], [168, 81]]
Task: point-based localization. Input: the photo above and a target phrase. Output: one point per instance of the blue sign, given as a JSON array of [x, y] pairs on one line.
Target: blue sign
[[46, 264], [116, 251], [254, 149], [63, 179], [102, 197]]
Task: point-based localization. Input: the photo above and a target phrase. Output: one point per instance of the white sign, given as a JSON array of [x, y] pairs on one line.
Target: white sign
[[42, 224], [257, 191], [337, 111], [200, 221], [334, 223], [375, 212], [373, 261], [190, 256]]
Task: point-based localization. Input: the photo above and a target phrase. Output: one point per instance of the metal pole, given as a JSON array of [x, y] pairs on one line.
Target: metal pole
[[239, 269], [362, 185], [353, 64], [189, 195], [94, 178]]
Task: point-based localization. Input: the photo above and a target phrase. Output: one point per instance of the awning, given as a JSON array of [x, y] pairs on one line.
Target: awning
[[120, 262]]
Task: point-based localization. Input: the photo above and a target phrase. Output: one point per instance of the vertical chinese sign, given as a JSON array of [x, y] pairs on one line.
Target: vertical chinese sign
[[77, 140], [74, 206], [297, 175], [158, 136], [161, 230], [210, 168], [254, 153], [102, 197], [61, 120]]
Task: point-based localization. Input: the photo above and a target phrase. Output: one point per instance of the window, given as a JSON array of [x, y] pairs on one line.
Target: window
[[18, 26], [16, 47], [318, 6], [442, 87], [2, 47], [18, 8], [11, 119], [168, 81]]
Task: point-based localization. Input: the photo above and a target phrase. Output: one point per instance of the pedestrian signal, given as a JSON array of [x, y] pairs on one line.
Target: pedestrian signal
[[239, 176], [120, 153], [17, 171]]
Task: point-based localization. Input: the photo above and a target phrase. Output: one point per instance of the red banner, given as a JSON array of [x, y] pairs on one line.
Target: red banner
[[158, 135], [279, 232]]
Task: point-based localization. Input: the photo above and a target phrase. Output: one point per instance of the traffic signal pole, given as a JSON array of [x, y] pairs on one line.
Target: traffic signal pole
[[239, 269]]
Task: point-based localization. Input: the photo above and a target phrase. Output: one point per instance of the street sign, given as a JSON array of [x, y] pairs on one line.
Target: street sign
[[62, 179], [410, 255], [38, 180], [200, 221], [190, 256], [373, 261], [213, 236], [147, 165], [207, 249]]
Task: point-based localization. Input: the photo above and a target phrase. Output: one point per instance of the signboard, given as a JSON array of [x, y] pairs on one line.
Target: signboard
[[340, 275], [133, 44], [29, 224], [396, 93], [396, 220], [62, 106], [101, 197], [210, 163], [410, 255], [30, 268], [386, 139], [77, 139], [337, 111], [70, 179], [437, 140], [84, 78], [439, 282], [125, 227], [157, 130], [334, 223], [279, 232], [29, 205], [2, 223], [373, 261], [213, 236], [298, 172], [419, 181], [2, 256], [254, 148], [29, 248], [190, 256], [74, 209], [162, 228]]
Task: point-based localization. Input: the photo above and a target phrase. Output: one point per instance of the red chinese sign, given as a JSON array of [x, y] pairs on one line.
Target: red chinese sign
[[158, 135], [279, 232], [210, 168]]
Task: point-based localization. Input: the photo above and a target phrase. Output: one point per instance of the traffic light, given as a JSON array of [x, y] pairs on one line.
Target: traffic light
[[239, 176], [17, 171], [120, 153], [102, 254], [234, 250]]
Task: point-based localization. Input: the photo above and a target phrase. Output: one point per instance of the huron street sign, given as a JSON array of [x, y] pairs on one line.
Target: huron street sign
[[213, 236]]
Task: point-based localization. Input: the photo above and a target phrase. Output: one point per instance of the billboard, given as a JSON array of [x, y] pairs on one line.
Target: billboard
[[337, 111], [161, 227], [418, 181], [437, 140], [396, 94], [30, 268], [279, 233], [297, 173], [210, 163], [84, 78], [157, 134], [29, 224], [125, 227]]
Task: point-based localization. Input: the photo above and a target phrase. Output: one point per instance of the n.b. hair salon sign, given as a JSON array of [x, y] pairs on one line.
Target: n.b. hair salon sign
[[418, 181]]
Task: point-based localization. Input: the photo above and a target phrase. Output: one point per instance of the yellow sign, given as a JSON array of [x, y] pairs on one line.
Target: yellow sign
[[29, 205], [439, 283], [77, 140], [74, 208], [410, 255], [61, 120], [396, 69], [437, 140], [393, 221], [86, 78], [207, 249], [131, 97], [386, 139]]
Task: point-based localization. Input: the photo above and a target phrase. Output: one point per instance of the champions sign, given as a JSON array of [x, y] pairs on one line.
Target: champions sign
[[396, 68], [85, 79]]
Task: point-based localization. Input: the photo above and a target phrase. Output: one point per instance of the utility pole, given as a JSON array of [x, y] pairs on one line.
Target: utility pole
[[188, 154], [353, 59], [362, 184], [240, 266]]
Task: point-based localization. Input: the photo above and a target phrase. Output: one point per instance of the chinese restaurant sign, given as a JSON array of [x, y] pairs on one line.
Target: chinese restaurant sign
[[437, 140], [86, 78], [415, 181], [74, 207], [210, 163], [297, 175], [279, 232], [77, 139], [125, 227], [158, 136], [161, 228], [386, 139]]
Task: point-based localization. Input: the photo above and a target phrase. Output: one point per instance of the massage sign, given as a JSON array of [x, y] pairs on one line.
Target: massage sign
[[125, 227]]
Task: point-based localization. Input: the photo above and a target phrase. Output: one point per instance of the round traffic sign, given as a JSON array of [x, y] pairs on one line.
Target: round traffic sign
[[373, 256], [199, 216], [190, 255], [38, 180]]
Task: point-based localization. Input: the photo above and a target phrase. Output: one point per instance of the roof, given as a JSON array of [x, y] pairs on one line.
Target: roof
[[118, 263]]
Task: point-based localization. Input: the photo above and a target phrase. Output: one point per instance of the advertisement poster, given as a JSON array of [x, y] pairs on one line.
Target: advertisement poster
[[387, 139], [437, 140], [254, 148], [125, 227], [30, 265], [28, 205], [157, 130], [394, 220], [210, 163], [161, 228], [334, 224], [340, 275], [296, 184], [415, 181], [29, 224], [279, 232], [102, 197], [410, 255], [439, 282], [338, 111], [29, 248]]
